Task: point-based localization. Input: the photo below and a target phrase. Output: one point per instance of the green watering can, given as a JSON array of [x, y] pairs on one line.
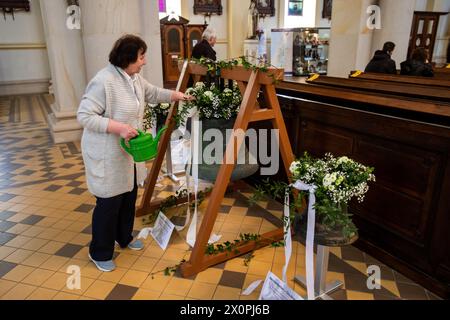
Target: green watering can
[[143, 147]]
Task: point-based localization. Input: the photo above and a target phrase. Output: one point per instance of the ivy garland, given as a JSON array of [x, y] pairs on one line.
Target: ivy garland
[[215, 66], [228, 246], [172, 202]]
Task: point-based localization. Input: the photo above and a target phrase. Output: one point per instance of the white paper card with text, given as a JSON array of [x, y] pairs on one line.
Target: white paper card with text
[[275, 289], [162, 231]]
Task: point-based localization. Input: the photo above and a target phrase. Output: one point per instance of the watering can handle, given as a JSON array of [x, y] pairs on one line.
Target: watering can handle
[[124, 145]]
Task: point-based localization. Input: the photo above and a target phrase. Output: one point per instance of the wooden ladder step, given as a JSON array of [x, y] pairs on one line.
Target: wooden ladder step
[[262, 114]]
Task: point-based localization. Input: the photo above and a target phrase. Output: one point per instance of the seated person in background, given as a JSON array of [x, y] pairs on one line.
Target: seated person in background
[[382, 62], [205, 47], [418, 65]]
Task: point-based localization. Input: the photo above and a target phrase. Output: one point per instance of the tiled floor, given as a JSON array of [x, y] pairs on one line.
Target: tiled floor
[[45, 218]]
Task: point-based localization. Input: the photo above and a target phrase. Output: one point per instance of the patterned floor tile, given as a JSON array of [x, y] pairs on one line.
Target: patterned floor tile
[[45, 217], [6, 237], [122, 292], [69, 250]]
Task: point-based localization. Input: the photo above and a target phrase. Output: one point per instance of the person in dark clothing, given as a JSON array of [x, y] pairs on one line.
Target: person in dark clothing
[[418, 65], [382, 62], [205, 47]]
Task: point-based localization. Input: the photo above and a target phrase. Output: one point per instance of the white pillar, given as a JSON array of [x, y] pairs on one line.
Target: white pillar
[[396, 23], [66, 58], [351, 39], [103, 22], [443, 33], [153, 71]]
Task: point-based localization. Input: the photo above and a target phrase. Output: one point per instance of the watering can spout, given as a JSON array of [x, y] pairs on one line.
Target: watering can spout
[[160, 132]]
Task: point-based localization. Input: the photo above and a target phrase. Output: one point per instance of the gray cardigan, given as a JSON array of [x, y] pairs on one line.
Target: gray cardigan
[[109, 169]]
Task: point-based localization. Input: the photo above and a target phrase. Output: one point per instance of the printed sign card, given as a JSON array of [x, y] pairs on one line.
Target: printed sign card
[[275, 289], [162, 231]]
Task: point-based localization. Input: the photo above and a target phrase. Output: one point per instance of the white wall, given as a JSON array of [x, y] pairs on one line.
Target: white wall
[[396, 23], [231, 29], [269, 22], [153, 71], [17, 65], [321, 22], [351, 40], [102, 23], [171, 6], [443, 34], [421, 5], [217, 22]]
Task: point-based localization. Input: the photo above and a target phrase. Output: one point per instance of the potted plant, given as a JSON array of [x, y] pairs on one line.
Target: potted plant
[[338, 181], [218, 106]]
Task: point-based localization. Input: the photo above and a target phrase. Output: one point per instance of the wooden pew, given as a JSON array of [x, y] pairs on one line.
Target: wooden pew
[[403, 221], [442, 73], [433, 82], [396, 89]]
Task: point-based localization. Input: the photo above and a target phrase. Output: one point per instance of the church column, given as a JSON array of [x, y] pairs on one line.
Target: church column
[[66, 58], [443, 33], [103, 22], [396, 23], [153, 71], [351, 39]]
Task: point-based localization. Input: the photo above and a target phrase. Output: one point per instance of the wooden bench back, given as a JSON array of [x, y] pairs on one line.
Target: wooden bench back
[[432, 82], [391, 88]]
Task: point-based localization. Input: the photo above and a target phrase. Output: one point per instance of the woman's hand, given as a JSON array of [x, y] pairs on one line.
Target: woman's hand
[[124, 130], [180, 96], [127, 132]]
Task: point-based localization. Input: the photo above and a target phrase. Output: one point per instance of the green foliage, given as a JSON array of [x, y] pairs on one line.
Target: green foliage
[[277, 244], [161, 110], [216, 66], [168, 271], [228, 246], [171, 202], [276, 190], [248, 258]]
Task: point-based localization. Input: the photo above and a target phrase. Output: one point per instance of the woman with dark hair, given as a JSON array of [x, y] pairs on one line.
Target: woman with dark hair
[[418, 65], [113, 108]]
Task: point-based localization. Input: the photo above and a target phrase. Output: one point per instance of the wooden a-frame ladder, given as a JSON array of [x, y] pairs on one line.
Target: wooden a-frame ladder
[[250, 83]]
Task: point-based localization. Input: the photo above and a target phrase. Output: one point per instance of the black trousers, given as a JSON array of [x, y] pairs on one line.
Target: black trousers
[[112, 220]]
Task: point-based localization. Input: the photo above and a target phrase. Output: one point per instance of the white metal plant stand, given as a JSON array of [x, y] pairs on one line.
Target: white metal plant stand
[[321, 288]]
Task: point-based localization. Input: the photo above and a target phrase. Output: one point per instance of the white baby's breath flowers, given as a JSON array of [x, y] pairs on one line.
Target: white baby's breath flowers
[[343, 160], [294, 168], [199, 85], [209, 94]]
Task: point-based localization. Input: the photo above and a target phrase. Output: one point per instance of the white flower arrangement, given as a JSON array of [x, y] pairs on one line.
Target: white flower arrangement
[[338, 181], [213, 103]]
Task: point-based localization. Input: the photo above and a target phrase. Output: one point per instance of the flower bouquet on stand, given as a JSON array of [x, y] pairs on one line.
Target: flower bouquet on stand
[[214, 103], [337, 181], [218, 105]]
